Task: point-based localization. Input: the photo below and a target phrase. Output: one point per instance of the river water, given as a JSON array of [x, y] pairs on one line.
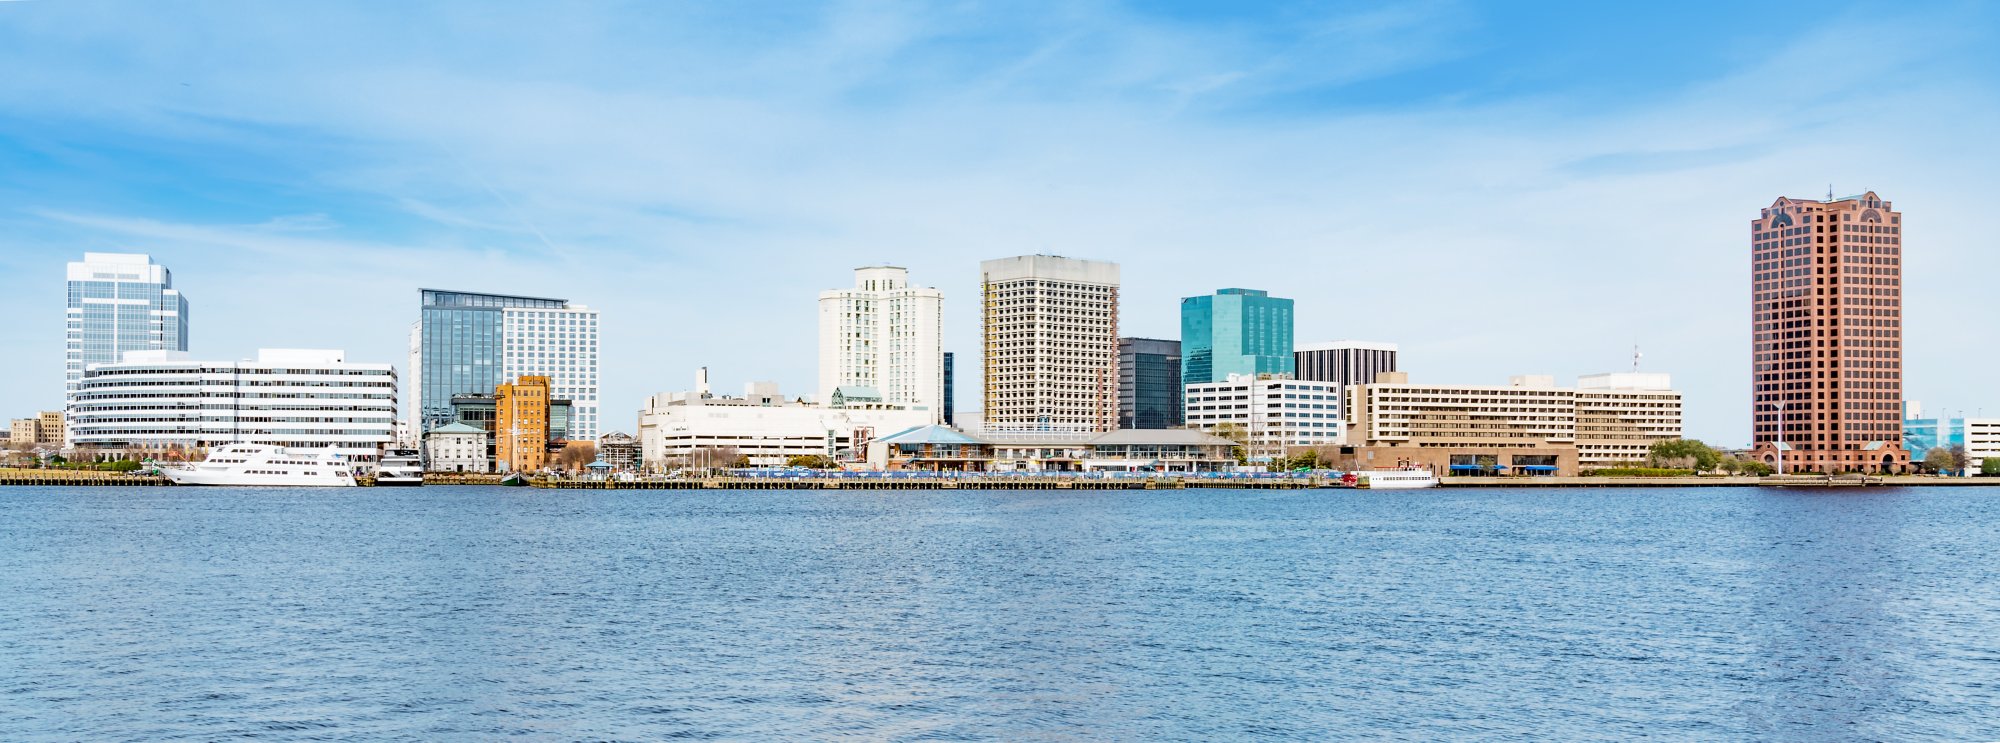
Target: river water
[[489, 613]]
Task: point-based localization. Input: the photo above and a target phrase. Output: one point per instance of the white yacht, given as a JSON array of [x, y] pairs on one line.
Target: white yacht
[[1411, 478], [264, 465], [400, 468]]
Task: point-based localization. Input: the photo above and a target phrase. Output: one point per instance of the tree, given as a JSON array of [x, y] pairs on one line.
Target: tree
[[1689, 453], [1989, 466], [811, 461], [1235, 432], [576, 455], [1303, 459], [1755, 468], [1941, 459], [712, 457]]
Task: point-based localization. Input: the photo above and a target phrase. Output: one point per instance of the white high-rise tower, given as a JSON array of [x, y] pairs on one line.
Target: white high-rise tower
[[120, 302], [885, 335]]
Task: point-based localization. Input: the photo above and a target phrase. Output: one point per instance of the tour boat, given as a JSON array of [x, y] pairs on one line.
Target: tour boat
[[1412, 478], [400, 468], [264, 465]]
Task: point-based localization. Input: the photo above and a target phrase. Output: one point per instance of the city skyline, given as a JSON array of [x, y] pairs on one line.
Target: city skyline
[[294, 222]]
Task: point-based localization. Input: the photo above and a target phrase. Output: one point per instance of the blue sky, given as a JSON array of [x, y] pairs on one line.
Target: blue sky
[[1502, 188]]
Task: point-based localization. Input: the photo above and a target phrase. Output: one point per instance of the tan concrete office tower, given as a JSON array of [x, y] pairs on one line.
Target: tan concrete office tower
[[1827, 335], [1050, 327]]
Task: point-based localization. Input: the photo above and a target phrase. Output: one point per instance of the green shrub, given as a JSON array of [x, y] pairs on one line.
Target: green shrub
[[1637, 472]]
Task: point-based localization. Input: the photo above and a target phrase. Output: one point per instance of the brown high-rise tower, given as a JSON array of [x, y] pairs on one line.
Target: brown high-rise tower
[[1827, 335]]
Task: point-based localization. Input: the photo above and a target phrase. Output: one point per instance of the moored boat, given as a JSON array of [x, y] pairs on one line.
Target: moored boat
[[1410, 478], [262, 465], [400, 468]]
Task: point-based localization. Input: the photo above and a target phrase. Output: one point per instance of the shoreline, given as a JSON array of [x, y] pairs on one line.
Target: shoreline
[[86, 478]]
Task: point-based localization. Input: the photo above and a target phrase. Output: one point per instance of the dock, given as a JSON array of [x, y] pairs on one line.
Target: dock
[[1553, 481], [78, 478], [89, 478], [928, 483]]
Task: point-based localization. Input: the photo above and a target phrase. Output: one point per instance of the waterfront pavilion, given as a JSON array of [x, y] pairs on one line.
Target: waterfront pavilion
[[930, 448]]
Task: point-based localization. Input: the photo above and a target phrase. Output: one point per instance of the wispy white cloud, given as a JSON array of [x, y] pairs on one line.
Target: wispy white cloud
[[699, 179]]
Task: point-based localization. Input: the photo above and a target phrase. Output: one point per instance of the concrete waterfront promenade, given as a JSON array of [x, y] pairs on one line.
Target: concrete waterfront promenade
[[913, 481], [1263, 482], [1784, 481], [989, 482]]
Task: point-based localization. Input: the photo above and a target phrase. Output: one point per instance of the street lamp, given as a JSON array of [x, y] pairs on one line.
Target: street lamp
[[1780, 406]]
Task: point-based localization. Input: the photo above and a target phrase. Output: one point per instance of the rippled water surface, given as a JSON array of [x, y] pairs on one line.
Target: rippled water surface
[[487, 613]]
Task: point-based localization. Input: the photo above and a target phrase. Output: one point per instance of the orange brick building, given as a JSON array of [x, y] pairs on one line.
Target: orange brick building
[[1827, 335], [521, 424]]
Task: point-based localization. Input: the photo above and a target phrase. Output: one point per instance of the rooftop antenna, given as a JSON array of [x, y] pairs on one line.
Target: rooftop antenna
[[1635, 358], [1829, 192]]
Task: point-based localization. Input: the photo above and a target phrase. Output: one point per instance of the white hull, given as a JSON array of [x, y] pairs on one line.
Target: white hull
[[258, 465], [1395, 480], [401, 468], [191, 477]]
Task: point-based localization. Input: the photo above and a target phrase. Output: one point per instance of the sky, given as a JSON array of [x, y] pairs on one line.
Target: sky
[[1501, 188]]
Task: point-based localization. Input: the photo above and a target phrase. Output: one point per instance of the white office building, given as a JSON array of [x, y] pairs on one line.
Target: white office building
[[693, 428], [1619, 416], [120, 302], [164, 403], [561, 344], [885, 335], [1050, 342], [1273, 411], [1982, 442]]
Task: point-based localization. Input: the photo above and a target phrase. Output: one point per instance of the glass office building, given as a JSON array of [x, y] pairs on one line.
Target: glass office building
[[468, 343], [1149, 383], [1921, 435], [120, 302], [1235, 331], [950, 407]]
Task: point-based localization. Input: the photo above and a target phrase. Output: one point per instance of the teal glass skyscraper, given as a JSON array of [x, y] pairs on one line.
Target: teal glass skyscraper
[[1235, 331]]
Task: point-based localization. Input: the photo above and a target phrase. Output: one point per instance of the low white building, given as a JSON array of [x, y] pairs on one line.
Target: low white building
[[1274, 411], [163, 403], [676, 429], [456, 447], [1982, 442]]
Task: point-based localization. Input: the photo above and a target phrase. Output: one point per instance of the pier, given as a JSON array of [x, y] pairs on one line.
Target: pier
[[77, 478], [89, 478], [930, 483]]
